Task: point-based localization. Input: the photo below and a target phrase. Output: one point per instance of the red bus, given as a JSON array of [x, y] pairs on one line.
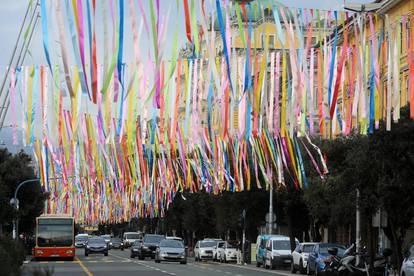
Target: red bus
[[55, 237]]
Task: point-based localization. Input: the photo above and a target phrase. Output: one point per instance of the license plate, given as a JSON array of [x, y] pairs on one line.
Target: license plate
[[288, 261], [55, 255]]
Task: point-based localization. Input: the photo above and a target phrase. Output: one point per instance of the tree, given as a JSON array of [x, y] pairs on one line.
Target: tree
[[13, 170]]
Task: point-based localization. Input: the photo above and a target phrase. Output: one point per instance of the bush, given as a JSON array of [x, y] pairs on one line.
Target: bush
[[12, 255]]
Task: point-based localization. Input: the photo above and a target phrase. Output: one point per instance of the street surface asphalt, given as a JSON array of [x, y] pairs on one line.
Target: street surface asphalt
[[119, 263]]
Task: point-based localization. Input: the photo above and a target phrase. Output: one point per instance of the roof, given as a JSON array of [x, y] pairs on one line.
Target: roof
[[55, 216]]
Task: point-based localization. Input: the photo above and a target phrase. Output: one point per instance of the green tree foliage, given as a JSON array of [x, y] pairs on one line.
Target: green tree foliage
[[381, 166], [13, 170]]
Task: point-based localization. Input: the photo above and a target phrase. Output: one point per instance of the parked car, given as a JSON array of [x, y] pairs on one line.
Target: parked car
[[135, 248], [96, 245], [261, 248], [203, 250], [216, 250], [278, 252], [149, 245], [81, 240], [116, 243], [130, 237], [229, 252], [319, 254], [407, 268], [300, 257], [171, 250]]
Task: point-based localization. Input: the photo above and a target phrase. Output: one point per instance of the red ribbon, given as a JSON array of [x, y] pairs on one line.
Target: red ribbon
[[187, 20]]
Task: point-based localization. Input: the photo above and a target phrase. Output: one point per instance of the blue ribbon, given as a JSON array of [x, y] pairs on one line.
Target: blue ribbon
[[45, 33], [302, 169], [331, 69], [372, 93], [280, 32], [223, 37]]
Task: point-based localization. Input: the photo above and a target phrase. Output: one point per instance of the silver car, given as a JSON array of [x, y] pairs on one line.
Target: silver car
[[171, 251]]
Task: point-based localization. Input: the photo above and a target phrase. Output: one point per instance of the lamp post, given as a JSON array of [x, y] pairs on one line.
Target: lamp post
[[361, 9], [15, 203]]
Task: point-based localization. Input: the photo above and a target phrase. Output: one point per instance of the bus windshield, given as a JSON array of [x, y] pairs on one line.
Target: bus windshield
[[55, 232]]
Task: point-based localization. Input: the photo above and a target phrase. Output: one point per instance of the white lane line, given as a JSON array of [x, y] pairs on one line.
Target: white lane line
[[170, 273], [163, 271]]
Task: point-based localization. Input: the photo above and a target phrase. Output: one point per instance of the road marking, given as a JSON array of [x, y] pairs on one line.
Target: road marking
[[258, 269], [87, 271], [170, 273], [43, 262]]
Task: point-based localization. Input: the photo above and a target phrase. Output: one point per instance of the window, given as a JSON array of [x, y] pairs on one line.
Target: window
[[271, 40], [281, 245]]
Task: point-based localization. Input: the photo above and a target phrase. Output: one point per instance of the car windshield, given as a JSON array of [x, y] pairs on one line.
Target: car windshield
[[323, 248], [307, 248], [106, 236], [137, 242], [171, 244], [96, 241], [153, 238], [115, 240], [204, 244], [132, 236], [81, 238], [55, 232], [281, 245]]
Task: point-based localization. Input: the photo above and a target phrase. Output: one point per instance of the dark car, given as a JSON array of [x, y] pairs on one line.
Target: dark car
[[148, 246], [171, 251], [116, 243], [135, 247], [107, 238], [96, 245], [318, 255]]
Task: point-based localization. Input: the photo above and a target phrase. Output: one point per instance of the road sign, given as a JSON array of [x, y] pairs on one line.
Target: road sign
[[270, 219]]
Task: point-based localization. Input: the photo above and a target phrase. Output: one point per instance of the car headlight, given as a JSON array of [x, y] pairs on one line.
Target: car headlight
[[87, 246], [110, 243], [144, 247], [122, 243], [164, 254]]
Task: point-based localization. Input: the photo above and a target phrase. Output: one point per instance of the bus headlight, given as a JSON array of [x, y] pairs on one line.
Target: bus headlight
[[69, 251], [40, 252]]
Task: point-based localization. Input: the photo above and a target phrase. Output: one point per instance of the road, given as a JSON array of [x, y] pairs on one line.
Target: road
[[119, 263]]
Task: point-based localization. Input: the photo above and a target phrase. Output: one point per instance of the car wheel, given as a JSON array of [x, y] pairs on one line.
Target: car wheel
[[272, 266], [157, 261], [132, 255], [106, 253], [122, 249], [141, 257], [183, 262], [292, 268], [86, 254]]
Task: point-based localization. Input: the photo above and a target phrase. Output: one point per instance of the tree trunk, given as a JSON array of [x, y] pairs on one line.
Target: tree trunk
[[290, 229], [396, 245]]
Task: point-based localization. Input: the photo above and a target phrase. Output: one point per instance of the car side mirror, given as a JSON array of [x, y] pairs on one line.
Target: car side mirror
[[300, 251]]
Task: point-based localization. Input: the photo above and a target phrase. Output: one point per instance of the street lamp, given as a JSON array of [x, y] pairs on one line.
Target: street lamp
[[15, 203], [361, 9]]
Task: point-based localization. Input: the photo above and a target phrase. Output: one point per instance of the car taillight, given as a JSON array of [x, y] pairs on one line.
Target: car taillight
[[39, 252], [69, 251]]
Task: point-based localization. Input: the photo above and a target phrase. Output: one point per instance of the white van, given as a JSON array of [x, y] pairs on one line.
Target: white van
[[130, 237], [278, 252]]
